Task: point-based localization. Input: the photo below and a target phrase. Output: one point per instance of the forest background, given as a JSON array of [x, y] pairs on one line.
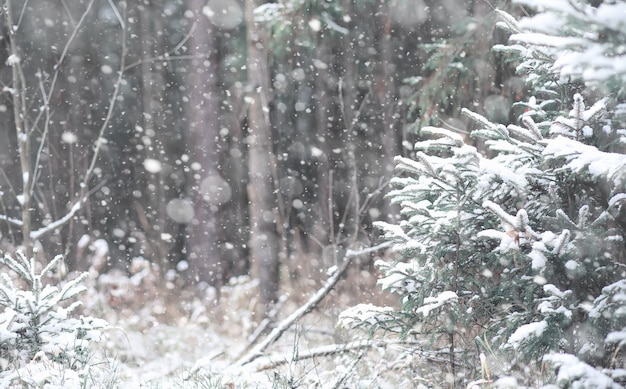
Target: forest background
[[210, 162], [200, 135]]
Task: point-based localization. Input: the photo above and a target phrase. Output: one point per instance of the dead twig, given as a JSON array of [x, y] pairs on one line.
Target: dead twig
[[284, 325]]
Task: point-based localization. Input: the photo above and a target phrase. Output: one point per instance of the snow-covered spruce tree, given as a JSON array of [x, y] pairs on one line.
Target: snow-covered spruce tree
[[519, 249], [40, 343]]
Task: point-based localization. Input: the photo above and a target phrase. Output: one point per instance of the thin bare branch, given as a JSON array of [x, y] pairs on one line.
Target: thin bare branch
[[68, 12], [46, 110], [50, 227], [284, 325], [185, 38], [66, 48], [58, 223], [274, 361], [22, 12], [117, 14], [15, 222], [100, 140], [166, 56], [163, 57]]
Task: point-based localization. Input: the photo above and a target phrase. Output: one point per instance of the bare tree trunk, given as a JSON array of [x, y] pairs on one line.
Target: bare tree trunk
[[152, 94], [203, 110], [264, 239], [385, 90], [324, 109], [350, 223], [22, 130]]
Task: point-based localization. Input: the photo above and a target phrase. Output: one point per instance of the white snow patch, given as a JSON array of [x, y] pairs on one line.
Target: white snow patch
[[553, 290], [618, 197], [152, 165], [13, 60], [180, 210], [527, 331], [101, 248], [580, 156], [69, 137], [538, 259], [573, 372], [431, 303], [225, 14], [83, 241], [363, 313], [616, 337], [315, 152]]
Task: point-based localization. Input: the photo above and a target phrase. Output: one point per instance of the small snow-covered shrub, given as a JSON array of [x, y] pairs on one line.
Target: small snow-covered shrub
[[40, 342]]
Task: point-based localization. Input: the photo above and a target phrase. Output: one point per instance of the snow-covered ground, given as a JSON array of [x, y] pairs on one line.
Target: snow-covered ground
[[164, 338]]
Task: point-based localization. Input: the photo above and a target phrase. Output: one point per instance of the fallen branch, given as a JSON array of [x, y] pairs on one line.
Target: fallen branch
[[272, 362], [284, 325]]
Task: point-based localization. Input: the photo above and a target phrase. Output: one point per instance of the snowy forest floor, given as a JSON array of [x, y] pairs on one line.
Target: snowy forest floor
[[166, 337]]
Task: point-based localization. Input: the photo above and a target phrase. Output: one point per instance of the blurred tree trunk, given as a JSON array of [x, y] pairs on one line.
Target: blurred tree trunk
[[264, 239], [350, 224], [23, 130], [203, 110], [386, 96], [325, 85], [152, 95]]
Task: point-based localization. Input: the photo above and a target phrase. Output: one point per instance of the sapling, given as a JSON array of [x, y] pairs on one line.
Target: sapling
[[38, 332]]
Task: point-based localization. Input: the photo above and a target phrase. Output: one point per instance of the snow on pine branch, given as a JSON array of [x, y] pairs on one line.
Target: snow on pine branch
[[574, 373], [526, 333], [361, 314], [576, 52], [583, 158], [431, 303]]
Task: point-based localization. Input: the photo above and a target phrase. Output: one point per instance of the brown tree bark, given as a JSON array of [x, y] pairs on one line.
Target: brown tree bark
[[264, 240]]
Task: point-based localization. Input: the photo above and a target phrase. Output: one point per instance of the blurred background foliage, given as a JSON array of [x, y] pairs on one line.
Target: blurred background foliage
[[350, 84]]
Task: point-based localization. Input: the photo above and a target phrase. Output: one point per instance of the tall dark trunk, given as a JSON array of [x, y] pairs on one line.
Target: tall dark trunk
[[264, 239], [350, 222], [386, 94], [203, 114]]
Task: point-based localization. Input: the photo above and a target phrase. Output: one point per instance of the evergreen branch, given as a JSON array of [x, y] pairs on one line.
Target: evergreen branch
[[423, 158], [72, 288], [522, 220], [583, 216], [456, 138], [477, 118], [563, 240], [7, 297], [508, 22], [408, 165], [577, 113], [20, 268], [499, 212], [522, 133], [51, 265], [563, 216], [532, 126]]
